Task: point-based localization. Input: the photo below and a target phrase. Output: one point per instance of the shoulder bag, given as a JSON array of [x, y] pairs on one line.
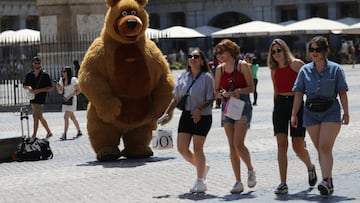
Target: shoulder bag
[[30, 95], [234, 106], [182, 102], [68, 102]]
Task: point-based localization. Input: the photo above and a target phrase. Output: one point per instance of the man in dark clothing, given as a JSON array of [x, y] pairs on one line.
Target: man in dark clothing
[[39, 83], [76, 67]]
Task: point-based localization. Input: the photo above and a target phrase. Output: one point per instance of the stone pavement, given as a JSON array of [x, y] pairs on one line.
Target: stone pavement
[[74, 175]]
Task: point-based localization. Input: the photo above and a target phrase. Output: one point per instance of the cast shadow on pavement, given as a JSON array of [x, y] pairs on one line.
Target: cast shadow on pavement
[[196, 196], [126, 163], [235, 197], [311, 197], [207, 196]]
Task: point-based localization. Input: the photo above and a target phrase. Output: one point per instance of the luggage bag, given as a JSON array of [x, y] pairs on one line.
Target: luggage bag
[[10, 145]]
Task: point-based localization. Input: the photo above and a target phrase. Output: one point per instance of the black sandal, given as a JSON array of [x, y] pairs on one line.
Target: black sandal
[[63, 137]]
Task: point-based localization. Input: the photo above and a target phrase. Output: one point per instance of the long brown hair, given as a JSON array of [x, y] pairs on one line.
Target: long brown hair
[[69, 75], [289, 57], [204, 67]]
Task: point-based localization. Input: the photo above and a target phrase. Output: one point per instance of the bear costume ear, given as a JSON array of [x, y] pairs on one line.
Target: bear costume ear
[[142, 2], [113, 2]]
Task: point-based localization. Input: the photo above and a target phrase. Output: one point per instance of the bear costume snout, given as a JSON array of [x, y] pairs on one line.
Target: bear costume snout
[[129, 26]]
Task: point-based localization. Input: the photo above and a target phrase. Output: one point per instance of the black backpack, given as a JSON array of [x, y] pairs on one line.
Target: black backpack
[[34, 149]]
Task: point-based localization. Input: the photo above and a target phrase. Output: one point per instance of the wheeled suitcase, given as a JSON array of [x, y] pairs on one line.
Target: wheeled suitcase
[[10, 145]]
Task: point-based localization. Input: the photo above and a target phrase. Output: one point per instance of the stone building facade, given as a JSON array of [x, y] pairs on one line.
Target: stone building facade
[[78, 17], [82, 16], [225, 13]]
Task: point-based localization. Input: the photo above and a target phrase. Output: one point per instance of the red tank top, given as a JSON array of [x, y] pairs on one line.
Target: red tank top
[[226, 80], [284, 79]]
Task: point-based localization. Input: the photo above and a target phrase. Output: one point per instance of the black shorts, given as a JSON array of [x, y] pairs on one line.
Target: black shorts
[[186, 124], [282, 115]]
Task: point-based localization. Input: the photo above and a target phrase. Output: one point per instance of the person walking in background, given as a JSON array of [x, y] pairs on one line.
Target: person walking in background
[[212, 65], [195, 121], [228, 54], [68, 86], [284, 68], [39, 83], [322, 81], [76, 67], [254, 66]]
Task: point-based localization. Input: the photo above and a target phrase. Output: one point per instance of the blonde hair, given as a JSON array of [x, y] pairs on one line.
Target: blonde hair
[[289, 57]]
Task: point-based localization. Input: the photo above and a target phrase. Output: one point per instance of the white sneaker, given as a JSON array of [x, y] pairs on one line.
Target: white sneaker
[[199, 187], [237, 188], [207, 168], [251, 179]]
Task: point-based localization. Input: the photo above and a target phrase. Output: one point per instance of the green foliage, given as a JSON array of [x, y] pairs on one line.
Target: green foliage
[[177, 66]]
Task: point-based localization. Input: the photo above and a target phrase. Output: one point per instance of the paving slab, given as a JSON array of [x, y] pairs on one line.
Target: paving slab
[[74, 175]]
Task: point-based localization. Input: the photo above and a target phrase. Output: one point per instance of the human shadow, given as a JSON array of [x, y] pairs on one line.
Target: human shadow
[[235, 197], [197, 196], [126, 163], [307, 196]]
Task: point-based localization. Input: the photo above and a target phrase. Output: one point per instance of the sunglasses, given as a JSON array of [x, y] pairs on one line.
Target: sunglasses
[[317, 50], [193, 56], [64, 71], [219, 52], [37, 63], [278, 50]]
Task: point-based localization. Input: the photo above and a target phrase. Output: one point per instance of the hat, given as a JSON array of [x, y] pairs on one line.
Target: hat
[[36, 58]]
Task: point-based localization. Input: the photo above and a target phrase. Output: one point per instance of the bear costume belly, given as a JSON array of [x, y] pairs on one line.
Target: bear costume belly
[[131, 83]]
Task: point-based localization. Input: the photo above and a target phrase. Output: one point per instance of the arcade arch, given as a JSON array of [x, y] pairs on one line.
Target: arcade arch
[[228, 19]]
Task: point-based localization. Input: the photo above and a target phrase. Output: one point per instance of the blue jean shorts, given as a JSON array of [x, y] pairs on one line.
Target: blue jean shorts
[[247, 112], [333, 114]]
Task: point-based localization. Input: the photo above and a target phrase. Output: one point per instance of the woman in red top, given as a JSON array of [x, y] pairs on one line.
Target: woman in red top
[[284, 69], [228, 54]]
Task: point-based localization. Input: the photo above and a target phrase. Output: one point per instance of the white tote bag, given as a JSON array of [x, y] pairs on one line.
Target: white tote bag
[[162, 139], [29, 95], [234, 108]]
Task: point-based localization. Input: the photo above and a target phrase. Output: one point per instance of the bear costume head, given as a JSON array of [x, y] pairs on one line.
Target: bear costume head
[[126, 20], [127, 81]]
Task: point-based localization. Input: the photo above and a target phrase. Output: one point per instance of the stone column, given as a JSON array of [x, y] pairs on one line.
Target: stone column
[[63, 24], [302, 11], [67, 16], [332, 10], [22, 21]]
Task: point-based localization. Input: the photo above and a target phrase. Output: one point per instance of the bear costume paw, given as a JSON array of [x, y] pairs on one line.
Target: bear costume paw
[[108, 154], [137, 152]]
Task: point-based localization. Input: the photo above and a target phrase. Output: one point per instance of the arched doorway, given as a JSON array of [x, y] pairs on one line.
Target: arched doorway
[[228, 19]]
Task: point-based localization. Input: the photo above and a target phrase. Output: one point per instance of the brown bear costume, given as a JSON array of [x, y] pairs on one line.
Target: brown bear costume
[[127, 81]]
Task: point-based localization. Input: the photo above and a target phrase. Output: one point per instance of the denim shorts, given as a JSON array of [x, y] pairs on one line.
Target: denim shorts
[[247, 112], [333, 114]]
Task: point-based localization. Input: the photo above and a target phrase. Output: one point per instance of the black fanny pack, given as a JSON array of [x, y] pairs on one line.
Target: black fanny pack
[[318, 104]]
